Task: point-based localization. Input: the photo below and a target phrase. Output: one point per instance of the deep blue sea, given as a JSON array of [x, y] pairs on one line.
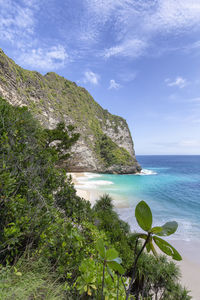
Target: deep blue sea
[[169, 184]]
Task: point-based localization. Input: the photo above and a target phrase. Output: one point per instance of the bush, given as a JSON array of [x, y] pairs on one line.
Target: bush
[[43, 219]]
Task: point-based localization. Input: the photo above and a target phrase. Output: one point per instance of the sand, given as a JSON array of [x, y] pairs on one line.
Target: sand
[[190, 250], [88, 194]]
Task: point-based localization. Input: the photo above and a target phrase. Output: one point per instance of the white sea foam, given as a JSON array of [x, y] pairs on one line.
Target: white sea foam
[[92, 175], [86, 182], [83, 184], [146, 172]]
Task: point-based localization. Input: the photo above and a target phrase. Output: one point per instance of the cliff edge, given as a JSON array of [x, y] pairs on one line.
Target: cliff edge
[[105, 143]]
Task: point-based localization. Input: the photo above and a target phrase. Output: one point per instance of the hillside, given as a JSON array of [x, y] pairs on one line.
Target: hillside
[[53, 244], [105, 143]]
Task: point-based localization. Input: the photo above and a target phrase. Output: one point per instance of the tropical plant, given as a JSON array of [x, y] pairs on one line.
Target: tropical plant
[[89, 282], [42, 218], [110, 261], [144, 218], [176, 292]]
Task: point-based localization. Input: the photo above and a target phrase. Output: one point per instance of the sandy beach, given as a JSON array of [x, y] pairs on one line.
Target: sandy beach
[[189, 266], [87, 193]]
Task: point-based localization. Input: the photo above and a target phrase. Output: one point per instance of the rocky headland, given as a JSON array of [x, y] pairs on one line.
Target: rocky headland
[[105, 144]]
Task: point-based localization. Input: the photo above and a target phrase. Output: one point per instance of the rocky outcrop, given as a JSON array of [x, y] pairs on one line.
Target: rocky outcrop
[[105, 143]]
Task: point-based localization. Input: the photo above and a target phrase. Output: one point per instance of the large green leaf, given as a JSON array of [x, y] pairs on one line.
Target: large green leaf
[[168, 228], [118, 260], [116, 267], [167, 248], [111, 254], [101, 249], [143, 215], [156, 230]]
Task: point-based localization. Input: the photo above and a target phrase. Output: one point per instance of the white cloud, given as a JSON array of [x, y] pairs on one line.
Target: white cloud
[[179, 82], [133, 19], [91, 77], [17, 20], [125, 28], [45, 58], [130, 48], [156, 14], [175, 15], [114, 85]]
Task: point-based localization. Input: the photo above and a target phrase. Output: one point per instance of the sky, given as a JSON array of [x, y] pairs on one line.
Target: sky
[[139, 59]]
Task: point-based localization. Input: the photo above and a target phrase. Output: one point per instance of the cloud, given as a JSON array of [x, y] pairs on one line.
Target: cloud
[[45, 58], [129, 20], [91, 77], [114, 85], [106, 28], [17, 20], [175, 15], [130, 48], [179, 82]]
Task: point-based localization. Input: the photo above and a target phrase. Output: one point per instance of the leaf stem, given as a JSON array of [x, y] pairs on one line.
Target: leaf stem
[[117, 286], [135, 264], [103, 280]]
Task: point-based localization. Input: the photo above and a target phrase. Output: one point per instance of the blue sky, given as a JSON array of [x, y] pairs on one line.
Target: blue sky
[[138, 59]]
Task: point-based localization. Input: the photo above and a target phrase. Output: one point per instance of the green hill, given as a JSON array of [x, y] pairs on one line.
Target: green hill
[[105, 143]]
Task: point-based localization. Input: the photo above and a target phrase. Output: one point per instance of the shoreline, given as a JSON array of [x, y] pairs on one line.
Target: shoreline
[[90, 195], [189, 266]]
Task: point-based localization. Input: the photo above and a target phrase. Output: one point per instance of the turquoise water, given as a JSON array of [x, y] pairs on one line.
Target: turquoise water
[[169, 184]]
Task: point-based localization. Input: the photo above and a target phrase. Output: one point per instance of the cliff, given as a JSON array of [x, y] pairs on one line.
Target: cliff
[[105, 143]]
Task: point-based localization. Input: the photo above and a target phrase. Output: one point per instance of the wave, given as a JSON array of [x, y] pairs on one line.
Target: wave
[[92, 175], [86, 181], [83, 184], [146, 172], [187, 230]]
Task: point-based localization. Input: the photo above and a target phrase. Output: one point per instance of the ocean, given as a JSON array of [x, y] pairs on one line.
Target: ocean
[[169, 184]]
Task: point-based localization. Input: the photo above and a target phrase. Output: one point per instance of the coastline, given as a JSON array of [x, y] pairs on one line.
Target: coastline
[[88, 194], [189, 266]]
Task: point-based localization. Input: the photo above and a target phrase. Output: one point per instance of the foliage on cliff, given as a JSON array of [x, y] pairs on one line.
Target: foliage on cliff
[[52, 97], [110, 153], [48, 235]]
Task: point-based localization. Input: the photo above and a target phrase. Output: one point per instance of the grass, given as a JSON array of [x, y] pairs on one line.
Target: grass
[[30, 280]]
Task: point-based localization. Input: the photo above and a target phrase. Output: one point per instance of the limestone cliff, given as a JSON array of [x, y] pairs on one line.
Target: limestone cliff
[[105, 144]]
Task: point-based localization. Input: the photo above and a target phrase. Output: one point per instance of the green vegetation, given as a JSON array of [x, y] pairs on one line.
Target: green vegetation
[[144, 218], [110, 153], [53, 245], [35, 280], [110, 261], [53, 95]]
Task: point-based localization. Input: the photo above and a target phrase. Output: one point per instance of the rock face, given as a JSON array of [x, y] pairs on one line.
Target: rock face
[[105, 144]]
